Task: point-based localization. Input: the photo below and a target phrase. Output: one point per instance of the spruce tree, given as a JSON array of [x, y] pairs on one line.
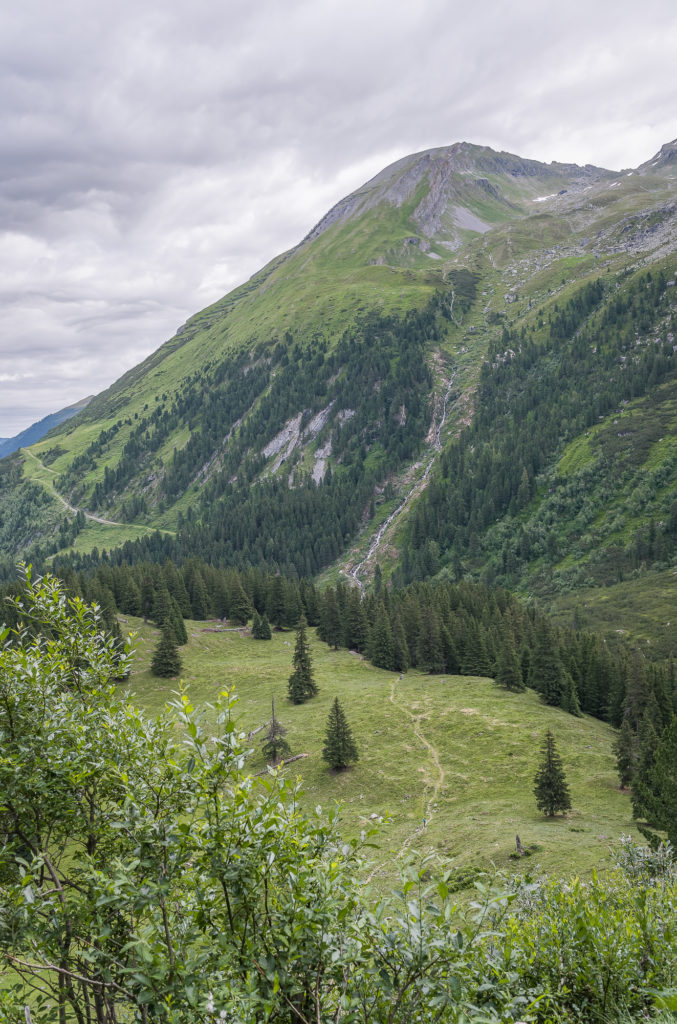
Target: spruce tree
[[330, 619], [178, 625], [475, 660], [199, 599], [449, 652], [641, 781], [162, 606], [550, 787], [509, 670], [166, 661], [664, 783], [275, 601], [261, 627], [547, 674], [274, 743], [429, 646], [400, 649], [146, 598], [625, 749], [339, 749], [239, 605], [292, 605], [301, 682], [569, 700], [381, 647]]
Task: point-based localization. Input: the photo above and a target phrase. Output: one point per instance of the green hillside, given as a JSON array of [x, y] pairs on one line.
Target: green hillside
[[455, 750], [164, 875], [461, 386], [466, 367]]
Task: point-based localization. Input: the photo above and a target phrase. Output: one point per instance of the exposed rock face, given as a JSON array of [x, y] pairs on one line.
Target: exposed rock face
[[455, 176], [284, 443], [318, 421], [320, 467]]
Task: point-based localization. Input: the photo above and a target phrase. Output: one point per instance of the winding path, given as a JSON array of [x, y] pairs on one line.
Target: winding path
[[433, 780], [59, 497], [432, 785]]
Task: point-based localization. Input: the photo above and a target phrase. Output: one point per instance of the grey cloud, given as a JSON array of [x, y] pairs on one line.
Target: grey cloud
[[155, 155]]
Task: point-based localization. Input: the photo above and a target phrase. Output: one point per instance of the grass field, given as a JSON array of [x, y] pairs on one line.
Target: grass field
[[642, 608], [457, 751]]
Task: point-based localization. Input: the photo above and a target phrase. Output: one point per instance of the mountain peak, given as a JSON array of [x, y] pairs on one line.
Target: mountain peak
[[666, 157], [461, 187]]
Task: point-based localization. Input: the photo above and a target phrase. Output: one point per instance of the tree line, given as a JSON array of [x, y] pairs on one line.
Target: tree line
[[464, 628], [441, 626]]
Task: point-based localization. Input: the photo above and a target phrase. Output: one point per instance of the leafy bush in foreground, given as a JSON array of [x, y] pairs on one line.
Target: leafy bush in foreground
[[145, 878]]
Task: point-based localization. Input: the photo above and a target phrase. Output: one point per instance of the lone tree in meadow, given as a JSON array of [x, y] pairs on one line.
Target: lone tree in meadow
[[166, 660], [550, 789], [339, 749], [274, 744], [261, 627], [301, 683]]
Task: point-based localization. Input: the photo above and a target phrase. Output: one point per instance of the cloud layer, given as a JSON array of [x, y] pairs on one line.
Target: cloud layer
[[155, 155]]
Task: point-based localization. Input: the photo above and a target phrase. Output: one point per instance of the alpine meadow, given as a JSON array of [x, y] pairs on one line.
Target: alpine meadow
[[337, 678]]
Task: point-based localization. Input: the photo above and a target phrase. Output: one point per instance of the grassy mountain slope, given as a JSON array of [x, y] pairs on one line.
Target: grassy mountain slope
[[457, 751], [313, 371]]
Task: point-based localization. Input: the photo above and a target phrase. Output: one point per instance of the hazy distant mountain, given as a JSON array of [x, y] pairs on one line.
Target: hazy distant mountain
[[38, 430]]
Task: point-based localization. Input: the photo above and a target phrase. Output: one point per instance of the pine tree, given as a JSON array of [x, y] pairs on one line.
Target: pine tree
[[339, 749], [239, 605], [664, 783], [178, 628], [166, 660], [400, 650], [641, 781], [381, 648], [274, 742], [547, 674], [301, 682], [275, 601], [429, 647], [475, 660], [509, 670], [330, 619], [261, 627], [550, 787], [625, 749]]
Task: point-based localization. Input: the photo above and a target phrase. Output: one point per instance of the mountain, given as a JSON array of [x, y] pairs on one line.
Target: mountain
[[37, 430], [467, 367]]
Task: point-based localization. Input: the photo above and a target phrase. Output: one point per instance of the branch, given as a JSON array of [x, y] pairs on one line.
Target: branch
[[71, 974], [284, 763], [287, 1001]]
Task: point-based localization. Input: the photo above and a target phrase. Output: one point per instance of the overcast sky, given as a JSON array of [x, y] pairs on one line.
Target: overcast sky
[[156, 153]]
